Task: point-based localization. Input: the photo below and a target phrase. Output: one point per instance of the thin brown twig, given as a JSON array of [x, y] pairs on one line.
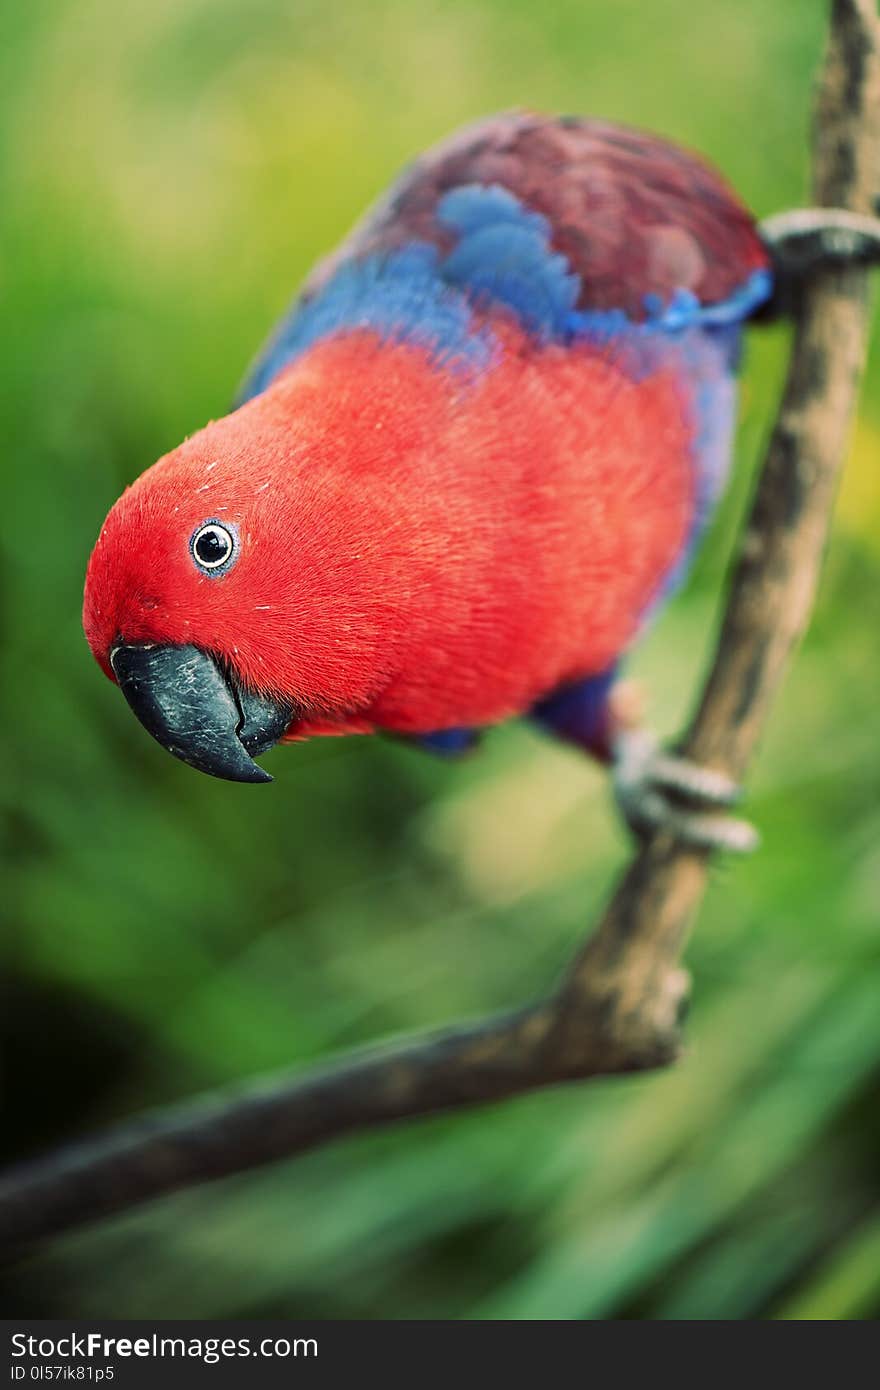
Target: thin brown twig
[[618, 1007]]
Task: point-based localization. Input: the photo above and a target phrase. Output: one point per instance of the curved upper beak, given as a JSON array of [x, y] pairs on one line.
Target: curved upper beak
[[183, 698]]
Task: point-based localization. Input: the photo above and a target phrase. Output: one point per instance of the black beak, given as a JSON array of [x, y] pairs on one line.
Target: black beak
[[182, 697]]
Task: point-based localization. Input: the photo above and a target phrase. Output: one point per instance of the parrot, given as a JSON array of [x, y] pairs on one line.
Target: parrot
[[463, 475]]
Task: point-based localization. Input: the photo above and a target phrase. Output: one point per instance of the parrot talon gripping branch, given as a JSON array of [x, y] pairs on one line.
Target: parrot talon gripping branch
[[659, 791], [807, 239]]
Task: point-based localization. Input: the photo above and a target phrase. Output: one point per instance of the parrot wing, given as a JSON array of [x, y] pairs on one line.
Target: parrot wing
[[632, 214], [569, 222]]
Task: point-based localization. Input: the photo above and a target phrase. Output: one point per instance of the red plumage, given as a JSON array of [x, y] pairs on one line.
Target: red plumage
[[411, 565]]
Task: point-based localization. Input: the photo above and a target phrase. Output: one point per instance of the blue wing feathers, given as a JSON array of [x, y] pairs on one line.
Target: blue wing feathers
[[501, 258], [400, 295]]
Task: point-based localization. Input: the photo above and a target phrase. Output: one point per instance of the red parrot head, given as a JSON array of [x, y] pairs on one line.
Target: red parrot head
[[235, 587], [167, 588]]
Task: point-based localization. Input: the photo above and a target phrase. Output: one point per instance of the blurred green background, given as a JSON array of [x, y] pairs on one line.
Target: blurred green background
[[170, 170]]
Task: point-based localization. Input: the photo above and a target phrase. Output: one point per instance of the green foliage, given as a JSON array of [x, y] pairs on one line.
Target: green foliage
[[170, 172]]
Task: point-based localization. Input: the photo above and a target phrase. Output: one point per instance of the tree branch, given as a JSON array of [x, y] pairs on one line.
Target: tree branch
[[617, 1009]]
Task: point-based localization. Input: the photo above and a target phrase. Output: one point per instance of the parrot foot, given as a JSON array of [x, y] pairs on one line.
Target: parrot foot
[[807, 238], [656, 790]]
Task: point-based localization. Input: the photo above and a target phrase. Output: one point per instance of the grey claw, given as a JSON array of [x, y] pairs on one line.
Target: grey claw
[[711, 832], [699, 783], [650, 786], [807, 237]]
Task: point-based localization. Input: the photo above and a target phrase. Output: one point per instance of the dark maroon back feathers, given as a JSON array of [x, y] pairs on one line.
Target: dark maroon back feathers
[[632, 213]]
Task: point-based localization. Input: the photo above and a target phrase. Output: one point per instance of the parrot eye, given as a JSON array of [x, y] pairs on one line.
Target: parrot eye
[[213, 547]]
